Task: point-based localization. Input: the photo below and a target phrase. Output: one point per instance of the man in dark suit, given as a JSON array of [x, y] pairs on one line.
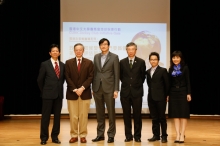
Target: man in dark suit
[[50, 81], [132, 76], [158, 87], [105, 89], [79, 75]]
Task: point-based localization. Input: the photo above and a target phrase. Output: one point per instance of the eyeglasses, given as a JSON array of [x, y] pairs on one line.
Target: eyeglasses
[[131, 49], [153, 59], [103, 44]]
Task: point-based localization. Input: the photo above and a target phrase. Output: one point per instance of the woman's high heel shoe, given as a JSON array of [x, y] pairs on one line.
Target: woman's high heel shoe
[[183, 140], [176, 141]]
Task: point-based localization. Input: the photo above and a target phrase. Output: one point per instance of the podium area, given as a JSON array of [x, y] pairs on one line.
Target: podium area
[[25, 132]]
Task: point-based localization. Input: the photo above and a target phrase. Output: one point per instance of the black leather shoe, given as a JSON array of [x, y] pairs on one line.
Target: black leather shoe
[[181, 141], [137, 140], [128, 139], [154, 138], [110, 140], [98, 138], [43, 142], [164, 139], [56, 141]]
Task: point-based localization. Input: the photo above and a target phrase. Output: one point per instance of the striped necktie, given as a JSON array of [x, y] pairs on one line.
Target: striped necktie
[[57, 70]]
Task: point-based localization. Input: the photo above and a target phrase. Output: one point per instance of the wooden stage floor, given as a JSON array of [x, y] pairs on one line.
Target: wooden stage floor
[[25, 132]]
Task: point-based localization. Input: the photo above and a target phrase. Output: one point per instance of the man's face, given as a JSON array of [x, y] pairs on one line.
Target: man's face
[[154, 61], [104, 47], [131, 50], [79, 51], [54, 53]]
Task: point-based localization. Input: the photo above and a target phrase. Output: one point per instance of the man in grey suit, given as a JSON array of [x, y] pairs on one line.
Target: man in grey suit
[[105, 88]]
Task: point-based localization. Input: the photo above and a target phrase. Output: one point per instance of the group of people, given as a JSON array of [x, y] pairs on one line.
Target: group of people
[[104, 74]]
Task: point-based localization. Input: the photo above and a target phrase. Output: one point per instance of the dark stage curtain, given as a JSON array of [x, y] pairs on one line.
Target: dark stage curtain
[[195, 32], [28, 27]]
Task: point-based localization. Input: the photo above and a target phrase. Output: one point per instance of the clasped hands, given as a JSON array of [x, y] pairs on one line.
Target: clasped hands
[[79, 91]]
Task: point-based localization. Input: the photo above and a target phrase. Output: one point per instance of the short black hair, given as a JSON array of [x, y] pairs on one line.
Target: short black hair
[[102, 41], [131, 44], [179, 54], [54, 45], [78, 44], [154, 54]]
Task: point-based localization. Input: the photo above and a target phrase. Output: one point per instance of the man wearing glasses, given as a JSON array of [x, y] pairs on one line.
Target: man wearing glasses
[[158, 86], [105, 88]]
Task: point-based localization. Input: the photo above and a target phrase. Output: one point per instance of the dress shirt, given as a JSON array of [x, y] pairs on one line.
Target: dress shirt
[[78, 60], [77, 65], [103, 58], [153, 70], [53, 62], [131, 59]]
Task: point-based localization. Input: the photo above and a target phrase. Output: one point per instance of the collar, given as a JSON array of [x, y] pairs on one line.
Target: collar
[[78, 58], [105, 54], [154, 68], [131, 59], [53, 61]]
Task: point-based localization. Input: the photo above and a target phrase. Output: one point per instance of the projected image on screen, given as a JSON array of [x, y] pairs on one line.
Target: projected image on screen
[[149, 37], [147, 42]]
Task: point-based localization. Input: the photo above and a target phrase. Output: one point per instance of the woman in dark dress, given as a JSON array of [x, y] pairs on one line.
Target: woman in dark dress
[[180, 95]]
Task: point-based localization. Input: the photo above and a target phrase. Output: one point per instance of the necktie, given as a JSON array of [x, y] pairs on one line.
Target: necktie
[[131, 64], [57, 70], [79, 65]]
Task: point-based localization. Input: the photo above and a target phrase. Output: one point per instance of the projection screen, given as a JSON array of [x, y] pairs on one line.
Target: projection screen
[[145, 22]]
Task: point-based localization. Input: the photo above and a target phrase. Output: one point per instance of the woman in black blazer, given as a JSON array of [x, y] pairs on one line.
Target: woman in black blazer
[[180, 95]]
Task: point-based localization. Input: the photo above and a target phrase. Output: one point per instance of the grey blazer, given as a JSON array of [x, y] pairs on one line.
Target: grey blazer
[[108, 74]]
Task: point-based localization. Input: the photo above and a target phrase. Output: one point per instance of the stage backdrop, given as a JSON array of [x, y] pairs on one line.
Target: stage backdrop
[[145, 22], [29, 27]]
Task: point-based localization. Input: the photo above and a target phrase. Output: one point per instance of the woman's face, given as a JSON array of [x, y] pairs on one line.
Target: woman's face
[[176, 60]]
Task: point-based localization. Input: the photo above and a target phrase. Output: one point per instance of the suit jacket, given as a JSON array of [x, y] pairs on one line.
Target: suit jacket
[[158, 85], [182, 81], [108, 74], [132, 79], [51, 87], [77, 79]]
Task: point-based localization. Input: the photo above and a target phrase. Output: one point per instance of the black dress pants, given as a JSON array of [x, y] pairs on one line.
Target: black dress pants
[[157, 113], [49, 106], [136, 104]]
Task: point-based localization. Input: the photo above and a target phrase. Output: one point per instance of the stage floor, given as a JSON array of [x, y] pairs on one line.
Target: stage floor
[[25, 132]]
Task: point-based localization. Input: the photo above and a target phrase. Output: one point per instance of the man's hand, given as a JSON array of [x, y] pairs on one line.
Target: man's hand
[[79, 91], [115, 94], [167, 98], [189, 97]]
